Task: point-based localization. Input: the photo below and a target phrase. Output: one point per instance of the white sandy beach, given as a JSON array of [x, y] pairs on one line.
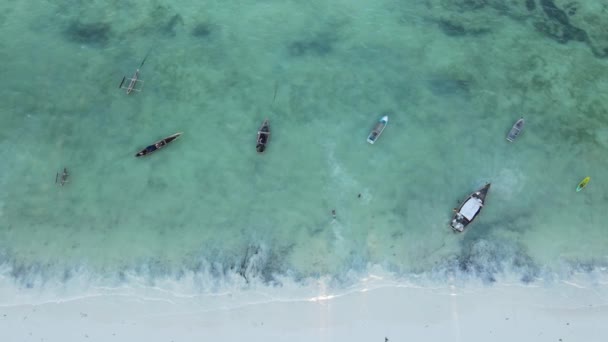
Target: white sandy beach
[[502, 313]]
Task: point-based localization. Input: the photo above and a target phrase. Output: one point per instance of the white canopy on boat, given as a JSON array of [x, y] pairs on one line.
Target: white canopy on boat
[[470, 208]]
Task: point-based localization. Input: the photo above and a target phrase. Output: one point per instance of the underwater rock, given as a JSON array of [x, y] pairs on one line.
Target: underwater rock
[[163, 20], [454, 29], [202, 30], [585, 16], [561, 33], [94, 34], [170, 26], [530, 5], [262, 263], [558, 25], [559, 20], [565, 20], [447, 86], [571, 8], [451, 29], [319, 48], [463, 18], [488, 258], [319, 45], [553, 12], [471, 4]]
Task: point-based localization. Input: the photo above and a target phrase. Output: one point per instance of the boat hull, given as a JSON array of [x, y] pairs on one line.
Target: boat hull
[[516, 130], [263, 137], [377, 130], [158, 145], [583, 184], [469, 209]]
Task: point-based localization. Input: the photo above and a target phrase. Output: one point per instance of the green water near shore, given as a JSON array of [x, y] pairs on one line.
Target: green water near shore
[[323, 74]]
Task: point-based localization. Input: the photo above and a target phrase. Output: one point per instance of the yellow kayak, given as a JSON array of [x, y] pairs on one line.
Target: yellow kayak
[[583, 184]]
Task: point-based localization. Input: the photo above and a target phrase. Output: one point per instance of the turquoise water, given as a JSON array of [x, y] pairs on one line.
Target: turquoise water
[[452, 76]]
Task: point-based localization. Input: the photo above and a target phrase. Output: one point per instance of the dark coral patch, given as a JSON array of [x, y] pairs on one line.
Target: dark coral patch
[[311, 47], [530, 5], [320, 45], [454, 29], [553, 12], [447, 86], [171, 25], [558, 25], [164, 20], [561, 33], [451, 29], [467, 5], [202, 30], [487, 259], [95, 34]]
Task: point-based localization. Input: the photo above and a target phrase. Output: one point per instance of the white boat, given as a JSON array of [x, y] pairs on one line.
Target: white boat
[[470, 208], [377, 130], [516, 130]]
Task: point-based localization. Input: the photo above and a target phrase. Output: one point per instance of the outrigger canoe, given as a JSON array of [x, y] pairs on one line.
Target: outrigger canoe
[[377, 130], [516, 130], [263, 136], [158, 145], [583, 184], [62, 178], [469, 209]]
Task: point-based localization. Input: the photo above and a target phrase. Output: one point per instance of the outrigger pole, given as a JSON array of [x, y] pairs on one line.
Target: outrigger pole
[[276, 88]]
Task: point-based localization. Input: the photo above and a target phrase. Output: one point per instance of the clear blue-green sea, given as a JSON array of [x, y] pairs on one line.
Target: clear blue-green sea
[[453, 77]]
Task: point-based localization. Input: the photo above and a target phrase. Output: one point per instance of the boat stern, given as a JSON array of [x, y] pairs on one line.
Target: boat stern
[[457, 226]]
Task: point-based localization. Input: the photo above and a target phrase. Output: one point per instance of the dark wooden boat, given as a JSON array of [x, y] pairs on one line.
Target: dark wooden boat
[[158, 145], [469, 209], [263, 136], [516, 130]]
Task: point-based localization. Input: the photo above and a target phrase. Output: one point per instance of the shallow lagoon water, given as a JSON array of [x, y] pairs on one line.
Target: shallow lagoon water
[[452, 80]]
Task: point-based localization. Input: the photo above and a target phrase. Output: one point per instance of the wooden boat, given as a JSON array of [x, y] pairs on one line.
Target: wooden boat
[[62, 178], [263, 136], [516, 130], [469, 209], [377, 130], [583, 184], [134, 81], [158, 145]]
